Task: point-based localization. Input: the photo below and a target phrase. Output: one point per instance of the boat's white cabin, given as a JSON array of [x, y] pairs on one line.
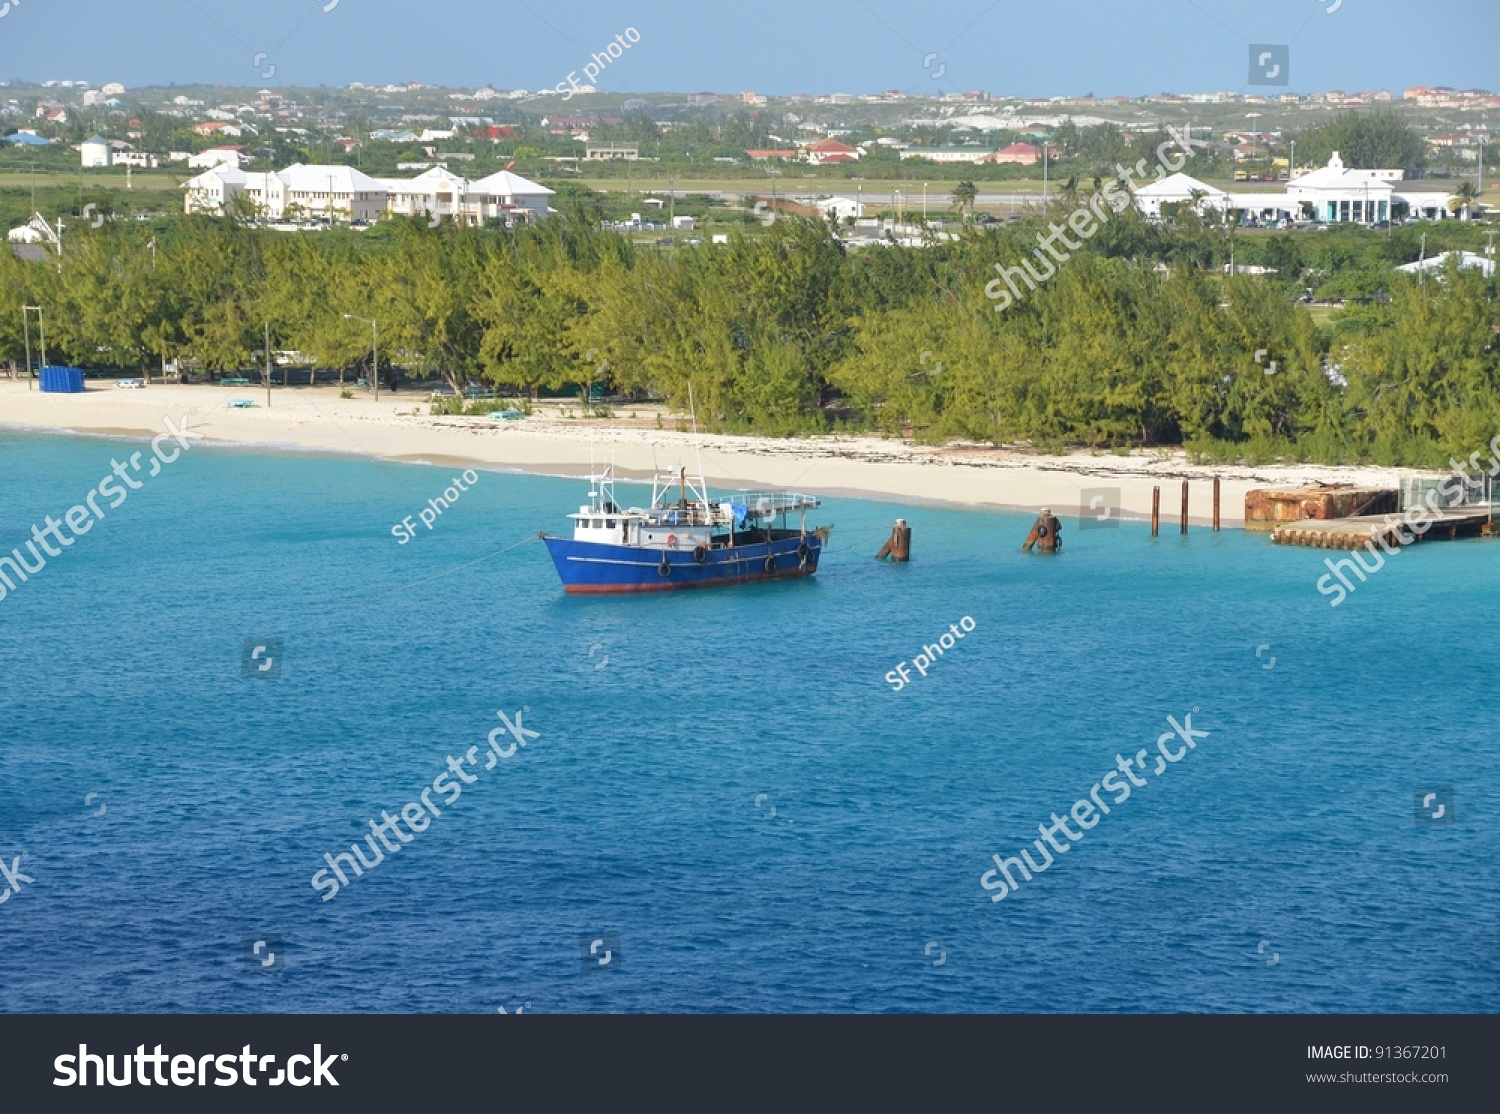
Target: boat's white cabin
[[636, 527]]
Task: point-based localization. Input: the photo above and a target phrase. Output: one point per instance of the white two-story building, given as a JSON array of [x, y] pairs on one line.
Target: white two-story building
[[344, 194]]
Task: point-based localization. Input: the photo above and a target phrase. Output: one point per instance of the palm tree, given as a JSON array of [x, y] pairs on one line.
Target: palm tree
[[964, 195], [1463, 199]]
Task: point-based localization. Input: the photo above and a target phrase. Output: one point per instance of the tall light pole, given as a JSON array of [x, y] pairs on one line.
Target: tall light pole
[[1480, 196], [42, 328], [374, 350]]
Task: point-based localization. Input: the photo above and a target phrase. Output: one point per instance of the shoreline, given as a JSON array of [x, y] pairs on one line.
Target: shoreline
[[307, 419]]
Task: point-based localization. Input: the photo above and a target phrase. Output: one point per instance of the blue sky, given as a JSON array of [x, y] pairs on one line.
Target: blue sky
[[1026, 47]]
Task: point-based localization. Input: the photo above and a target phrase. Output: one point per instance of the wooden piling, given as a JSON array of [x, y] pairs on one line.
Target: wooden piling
[[1216, 504], [1155, 511], [1184, 506]]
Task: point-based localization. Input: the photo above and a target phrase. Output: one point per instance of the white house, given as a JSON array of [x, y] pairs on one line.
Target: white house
[[216, 156], [841, 208], [1467, 260], [344, 193], [949, 154], [1337, 193], [1176, 188], [336, 192], [1332, 194], [96, 151], [509, 196], [213, 190], [435, 193]]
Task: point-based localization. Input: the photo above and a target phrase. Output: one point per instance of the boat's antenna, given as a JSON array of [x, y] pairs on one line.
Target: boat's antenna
[[697, 444]]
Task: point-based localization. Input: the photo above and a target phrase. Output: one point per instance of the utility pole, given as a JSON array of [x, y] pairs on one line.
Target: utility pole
[[42, 329], [26, 327], [268, 365]]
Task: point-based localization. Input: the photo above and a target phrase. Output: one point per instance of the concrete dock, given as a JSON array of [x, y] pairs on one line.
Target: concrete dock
[[1352, 533]]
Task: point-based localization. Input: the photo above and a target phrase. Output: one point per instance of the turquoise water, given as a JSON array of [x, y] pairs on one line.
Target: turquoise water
[[1279, 866]]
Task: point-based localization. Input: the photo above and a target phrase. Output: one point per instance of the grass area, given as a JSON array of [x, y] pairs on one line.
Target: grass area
[[802, 183], [161, 180], [56, 196]]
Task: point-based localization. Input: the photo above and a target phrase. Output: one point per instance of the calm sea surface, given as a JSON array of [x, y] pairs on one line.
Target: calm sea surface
[[724, 790]]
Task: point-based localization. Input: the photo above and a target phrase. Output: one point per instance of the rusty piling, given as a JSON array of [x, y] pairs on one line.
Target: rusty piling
[[1184, 506], [1216, 504], [1155, 511], [898, 546]]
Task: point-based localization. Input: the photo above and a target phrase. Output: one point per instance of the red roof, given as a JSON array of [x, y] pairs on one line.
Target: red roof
[[831, 146]]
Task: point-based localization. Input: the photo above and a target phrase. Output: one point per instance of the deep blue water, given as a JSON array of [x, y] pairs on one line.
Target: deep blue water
[[637, 814]]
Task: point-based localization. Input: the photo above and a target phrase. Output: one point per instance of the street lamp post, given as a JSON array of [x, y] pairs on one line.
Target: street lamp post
[[374, 350]]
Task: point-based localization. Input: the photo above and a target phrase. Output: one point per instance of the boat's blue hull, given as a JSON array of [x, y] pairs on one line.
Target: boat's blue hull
[[597, 568]]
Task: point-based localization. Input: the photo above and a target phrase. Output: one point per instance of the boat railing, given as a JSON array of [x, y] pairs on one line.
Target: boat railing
[[767, 504]]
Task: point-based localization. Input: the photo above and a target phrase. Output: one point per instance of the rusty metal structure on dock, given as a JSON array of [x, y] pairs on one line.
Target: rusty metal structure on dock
[[1269, 509], [1343, 516]]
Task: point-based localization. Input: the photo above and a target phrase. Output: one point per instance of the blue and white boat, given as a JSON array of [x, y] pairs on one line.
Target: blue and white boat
[[688, 542]]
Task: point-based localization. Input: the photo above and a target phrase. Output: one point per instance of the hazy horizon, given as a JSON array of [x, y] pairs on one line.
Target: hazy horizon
[[1121, 47]]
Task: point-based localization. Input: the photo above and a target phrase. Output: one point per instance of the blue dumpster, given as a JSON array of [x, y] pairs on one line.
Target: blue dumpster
[[62, 380]]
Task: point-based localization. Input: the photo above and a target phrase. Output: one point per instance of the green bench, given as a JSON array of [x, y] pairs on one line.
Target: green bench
[[234, 381]]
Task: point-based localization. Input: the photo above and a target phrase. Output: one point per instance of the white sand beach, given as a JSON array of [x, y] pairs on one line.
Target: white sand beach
[[549, 443]]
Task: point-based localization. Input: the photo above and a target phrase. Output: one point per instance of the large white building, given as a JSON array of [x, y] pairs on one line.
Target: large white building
[[1332, 194], [96, 151], [343, 193]]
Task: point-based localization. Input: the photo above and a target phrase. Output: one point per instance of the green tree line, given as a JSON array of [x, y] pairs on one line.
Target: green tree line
[[1139, 338]]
